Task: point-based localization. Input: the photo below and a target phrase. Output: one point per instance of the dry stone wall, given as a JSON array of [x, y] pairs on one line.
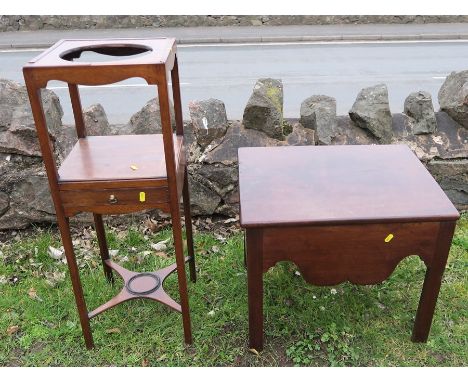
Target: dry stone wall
[[38, 22], [439, 139]]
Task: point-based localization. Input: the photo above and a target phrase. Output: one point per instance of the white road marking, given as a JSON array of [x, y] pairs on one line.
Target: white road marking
[[259, 43], [16, 50], [339, 42], [439, 78]]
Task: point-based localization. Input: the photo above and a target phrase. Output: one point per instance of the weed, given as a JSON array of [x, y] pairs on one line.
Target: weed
[[333, 346]]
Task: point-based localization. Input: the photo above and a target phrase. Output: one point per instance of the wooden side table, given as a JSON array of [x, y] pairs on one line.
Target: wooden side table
[[117, 174], [342, 213]]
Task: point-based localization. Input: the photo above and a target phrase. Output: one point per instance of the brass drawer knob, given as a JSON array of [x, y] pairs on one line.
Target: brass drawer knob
[[112, 199]]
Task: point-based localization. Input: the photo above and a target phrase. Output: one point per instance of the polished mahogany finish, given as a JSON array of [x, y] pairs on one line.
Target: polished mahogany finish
[[342, 213], [118, 157], [337, 184], [140, 285], [149, 59], [117, 174]]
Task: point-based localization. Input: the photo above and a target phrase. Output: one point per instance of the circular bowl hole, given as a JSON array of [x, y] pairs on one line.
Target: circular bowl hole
[[143, 284], [108, 52]]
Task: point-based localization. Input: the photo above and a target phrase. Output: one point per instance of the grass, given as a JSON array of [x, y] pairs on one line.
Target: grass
[[305, 325]]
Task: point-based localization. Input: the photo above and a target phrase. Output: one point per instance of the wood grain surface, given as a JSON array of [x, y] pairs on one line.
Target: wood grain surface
[[333, 184]]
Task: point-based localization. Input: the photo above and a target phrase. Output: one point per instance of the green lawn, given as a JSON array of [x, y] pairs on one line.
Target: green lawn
[[304, 325]]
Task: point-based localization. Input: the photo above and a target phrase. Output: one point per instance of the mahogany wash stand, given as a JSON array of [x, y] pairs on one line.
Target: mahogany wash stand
[[342, 213], [117, 174]]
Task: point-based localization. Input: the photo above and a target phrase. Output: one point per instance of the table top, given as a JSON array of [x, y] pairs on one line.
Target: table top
[[117, 157], [126, 51], [314, 185]]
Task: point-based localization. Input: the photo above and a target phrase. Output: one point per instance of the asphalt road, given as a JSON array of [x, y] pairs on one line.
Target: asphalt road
[[228, 72]]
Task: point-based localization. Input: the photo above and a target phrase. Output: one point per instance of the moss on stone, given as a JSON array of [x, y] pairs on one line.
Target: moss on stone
[[274, 95]]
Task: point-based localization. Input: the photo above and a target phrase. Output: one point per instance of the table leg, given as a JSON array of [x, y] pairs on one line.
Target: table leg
[[180, 260], [64, 227], [432, 282], [103, 250], [255, 287], [188, 227], [245, 251]]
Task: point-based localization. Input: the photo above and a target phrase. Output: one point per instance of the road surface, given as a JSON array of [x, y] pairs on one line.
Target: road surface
[[229, 71]]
